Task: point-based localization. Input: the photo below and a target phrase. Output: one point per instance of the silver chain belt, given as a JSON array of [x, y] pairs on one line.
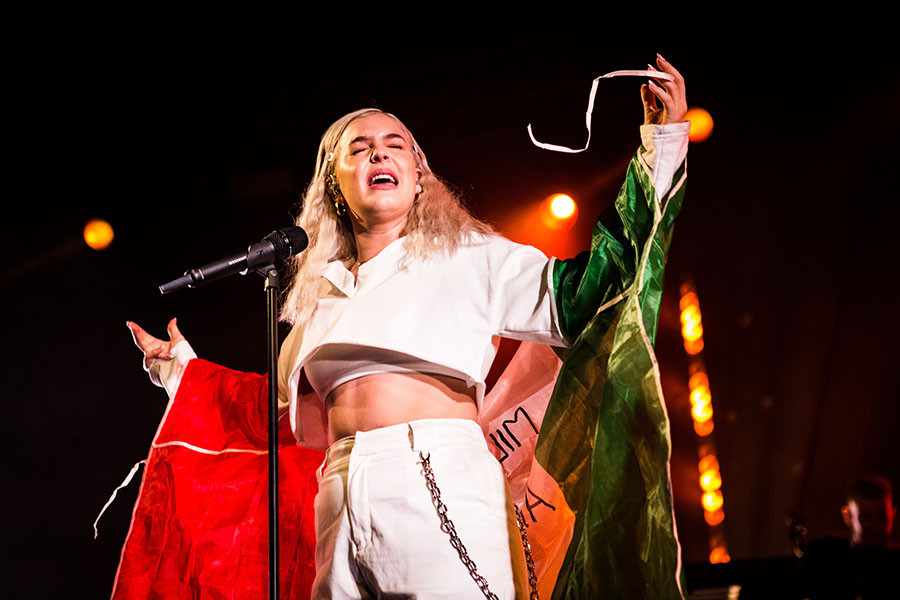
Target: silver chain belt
[[448, 528]]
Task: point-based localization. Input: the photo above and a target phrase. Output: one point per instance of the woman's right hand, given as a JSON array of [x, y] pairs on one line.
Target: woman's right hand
[[155, 349]]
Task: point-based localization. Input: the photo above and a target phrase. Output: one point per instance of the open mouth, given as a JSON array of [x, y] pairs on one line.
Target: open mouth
[[382, 178]]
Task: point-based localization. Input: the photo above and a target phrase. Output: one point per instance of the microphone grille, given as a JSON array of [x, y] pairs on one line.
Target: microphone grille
[[288, 241]]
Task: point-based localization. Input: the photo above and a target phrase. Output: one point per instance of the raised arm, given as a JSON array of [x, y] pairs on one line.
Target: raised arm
[[648, 200]]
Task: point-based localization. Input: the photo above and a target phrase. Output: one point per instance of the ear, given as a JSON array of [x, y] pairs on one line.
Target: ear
[[845, 513]]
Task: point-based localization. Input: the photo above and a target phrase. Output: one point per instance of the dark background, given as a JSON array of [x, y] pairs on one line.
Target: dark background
[[195, 142]]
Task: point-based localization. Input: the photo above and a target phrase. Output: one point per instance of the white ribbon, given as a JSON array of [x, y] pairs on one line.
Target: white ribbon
[[125, 483], [659, 75]]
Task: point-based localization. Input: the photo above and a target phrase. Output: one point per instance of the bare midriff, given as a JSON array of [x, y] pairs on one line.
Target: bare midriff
[[386, 399]]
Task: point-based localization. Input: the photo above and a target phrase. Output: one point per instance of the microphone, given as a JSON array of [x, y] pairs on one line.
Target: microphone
[[277, 246]]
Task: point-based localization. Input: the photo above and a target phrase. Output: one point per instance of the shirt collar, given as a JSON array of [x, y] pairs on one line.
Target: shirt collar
[[370, 273]]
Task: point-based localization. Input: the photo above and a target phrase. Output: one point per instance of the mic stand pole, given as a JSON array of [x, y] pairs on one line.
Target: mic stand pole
[[272, 286]]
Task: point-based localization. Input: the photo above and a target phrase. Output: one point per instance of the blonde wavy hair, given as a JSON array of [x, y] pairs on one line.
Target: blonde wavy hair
[[438, 222]]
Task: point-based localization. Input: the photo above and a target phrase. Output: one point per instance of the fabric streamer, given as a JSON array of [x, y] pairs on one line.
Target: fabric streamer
[[125, 483], [590, 107]]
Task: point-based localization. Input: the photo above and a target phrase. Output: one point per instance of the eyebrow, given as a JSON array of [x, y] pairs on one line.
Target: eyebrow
[[366, 138]]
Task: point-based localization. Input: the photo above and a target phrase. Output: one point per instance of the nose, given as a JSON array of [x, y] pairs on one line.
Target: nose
[[378, 155]]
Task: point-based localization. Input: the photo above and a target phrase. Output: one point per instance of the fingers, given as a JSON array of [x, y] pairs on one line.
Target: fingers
[[667, 67], [662, 94], [175, 335], [154, 354], [142, 339], [648, 99], [154, 348], [671, 93]]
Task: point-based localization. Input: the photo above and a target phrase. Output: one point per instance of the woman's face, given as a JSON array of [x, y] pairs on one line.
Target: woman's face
[[376, 170]]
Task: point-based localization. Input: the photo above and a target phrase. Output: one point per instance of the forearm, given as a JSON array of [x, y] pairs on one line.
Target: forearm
[[597, 278]]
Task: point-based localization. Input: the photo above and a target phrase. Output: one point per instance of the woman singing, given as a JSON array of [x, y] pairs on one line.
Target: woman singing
[[394, 306]]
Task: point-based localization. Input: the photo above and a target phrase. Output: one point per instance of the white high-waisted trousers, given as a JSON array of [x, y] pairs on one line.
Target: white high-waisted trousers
[[378, 533]]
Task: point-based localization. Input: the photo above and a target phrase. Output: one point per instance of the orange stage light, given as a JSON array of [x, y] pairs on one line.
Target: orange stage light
[[701, 124], [559, 211], [703, 428], [689, 299], [702, 411], [98, 234], [710, 480], [698, 379], [719, 554], [691, 322], [712, 501], [562, 206], [714, 518], [700, 395], [709, 462], [693, 347]]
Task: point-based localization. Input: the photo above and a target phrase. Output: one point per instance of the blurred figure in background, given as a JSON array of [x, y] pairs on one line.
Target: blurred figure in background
[[869, 512], [865, 564]]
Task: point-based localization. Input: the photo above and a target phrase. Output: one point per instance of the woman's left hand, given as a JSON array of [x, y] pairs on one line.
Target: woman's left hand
[[670, 93]]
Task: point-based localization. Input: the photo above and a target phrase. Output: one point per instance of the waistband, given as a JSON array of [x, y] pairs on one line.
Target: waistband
[[413, 436]]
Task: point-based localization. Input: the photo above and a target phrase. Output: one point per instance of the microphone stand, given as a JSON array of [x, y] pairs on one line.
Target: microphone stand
[[259, 257], [272, 286]]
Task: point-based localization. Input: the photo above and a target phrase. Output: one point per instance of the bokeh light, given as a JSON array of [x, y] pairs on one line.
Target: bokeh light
[[710, 480], [718, 555], [712, 501], [714, 517], [700, 395], [701, 124], [562, 206], [98, 234], [559, 211], [702, 411], [698, 379], [709, 462], [688, 299], [703, 428]]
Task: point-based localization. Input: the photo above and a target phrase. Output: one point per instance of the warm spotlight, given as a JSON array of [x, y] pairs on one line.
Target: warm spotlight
[[559, 211], [719, 554], [714, 517], [562, 206], [712, 501], [693, 347], [710, 480], [709, 462], [701, 124], [688, 299], [698, 379], [702, 411], [691, 327], [98, 234], [700, 395], [703, 428]]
